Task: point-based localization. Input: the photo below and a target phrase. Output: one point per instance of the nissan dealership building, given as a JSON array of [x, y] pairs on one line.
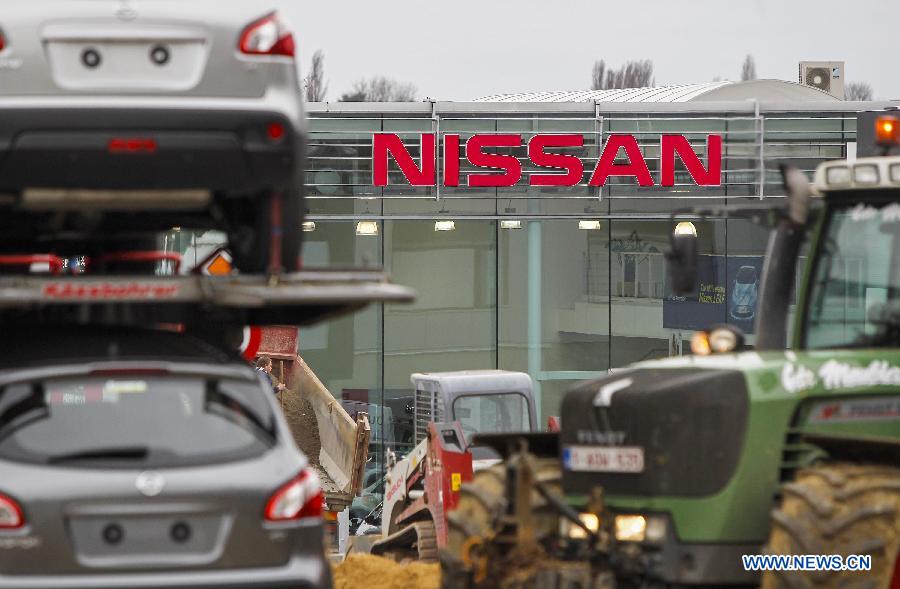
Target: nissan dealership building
[[564, 279]]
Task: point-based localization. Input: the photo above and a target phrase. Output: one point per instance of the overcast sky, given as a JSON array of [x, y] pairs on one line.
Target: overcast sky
[[464, 49]]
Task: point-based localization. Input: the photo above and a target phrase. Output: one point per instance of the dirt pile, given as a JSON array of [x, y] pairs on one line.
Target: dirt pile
[[375, 572], [302, 420]]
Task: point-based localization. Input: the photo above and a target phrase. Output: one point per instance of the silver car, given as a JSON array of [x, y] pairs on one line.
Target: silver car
[[125, 117], [137, 459]]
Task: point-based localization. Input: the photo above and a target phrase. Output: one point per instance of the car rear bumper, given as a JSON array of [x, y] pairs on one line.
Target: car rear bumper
[[121, 148], [300, 573]]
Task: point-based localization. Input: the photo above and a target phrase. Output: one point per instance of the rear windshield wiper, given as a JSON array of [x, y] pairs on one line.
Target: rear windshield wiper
[[216, 396], [122, 453]]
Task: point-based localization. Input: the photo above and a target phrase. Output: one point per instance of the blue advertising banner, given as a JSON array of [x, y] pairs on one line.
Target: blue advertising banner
[[727, 290]]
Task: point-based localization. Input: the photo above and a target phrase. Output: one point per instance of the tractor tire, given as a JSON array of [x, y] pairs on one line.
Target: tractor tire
[[841, 509], [475, 522]]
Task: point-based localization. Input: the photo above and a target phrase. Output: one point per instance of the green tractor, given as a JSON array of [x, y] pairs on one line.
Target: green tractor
[[711, 469]]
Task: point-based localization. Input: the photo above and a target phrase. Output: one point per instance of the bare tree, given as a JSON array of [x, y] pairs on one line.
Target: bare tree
[[353, 96], [598, 76], [380, 89], [314, 82], [634, 74], [858, 91], [748, 70]]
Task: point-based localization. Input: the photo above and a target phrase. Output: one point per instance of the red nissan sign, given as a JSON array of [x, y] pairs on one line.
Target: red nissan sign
[[506, 170]]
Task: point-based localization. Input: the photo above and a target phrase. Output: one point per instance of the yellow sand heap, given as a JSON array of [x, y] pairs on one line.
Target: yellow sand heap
[[376, 572]]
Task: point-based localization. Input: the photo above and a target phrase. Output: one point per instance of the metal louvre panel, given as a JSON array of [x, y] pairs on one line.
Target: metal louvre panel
[[429, 408], [422, 414], [755, 142]]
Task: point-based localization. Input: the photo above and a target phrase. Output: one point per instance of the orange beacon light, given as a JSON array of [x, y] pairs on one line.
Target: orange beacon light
[[887, 131]]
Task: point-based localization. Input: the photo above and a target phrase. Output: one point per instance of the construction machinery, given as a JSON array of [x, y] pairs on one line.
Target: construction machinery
[[449, 408], [420, 489], [681, 472], [482, 401], [338, 446]]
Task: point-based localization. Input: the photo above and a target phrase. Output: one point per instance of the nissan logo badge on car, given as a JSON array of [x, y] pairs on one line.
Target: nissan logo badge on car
[[150, 483]]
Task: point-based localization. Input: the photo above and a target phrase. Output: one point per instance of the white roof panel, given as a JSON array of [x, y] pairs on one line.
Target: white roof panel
[[708, 91], [681, 93], [470, 381]]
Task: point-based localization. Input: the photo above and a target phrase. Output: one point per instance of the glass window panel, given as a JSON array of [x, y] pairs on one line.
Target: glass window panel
[[854, 281], [410, 126], [553, 296], [505, 412], [346, 353], [642, 325], [552, 392], [342, 124], [451, 326]]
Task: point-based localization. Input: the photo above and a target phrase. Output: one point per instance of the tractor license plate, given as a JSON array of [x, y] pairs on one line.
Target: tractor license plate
[[603, 458]]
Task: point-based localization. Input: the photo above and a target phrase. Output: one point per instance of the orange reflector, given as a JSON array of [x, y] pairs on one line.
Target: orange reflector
[[887, 130], [219, 266]]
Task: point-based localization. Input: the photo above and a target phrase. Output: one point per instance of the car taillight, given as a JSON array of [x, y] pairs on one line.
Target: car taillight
[[275, 131], [2, 41], [299, 498], [131, 145], [10, 514], [267, 36]]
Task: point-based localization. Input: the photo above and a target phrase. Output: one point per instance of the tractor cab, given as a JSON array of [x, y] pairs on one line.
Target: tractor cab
[[851, 298]]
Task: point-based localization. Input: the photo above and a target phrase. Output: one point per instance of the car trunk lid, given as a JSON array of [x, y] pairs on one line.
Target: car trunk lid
[[139, 48], [147, 534], [111, 56], [82, 521]]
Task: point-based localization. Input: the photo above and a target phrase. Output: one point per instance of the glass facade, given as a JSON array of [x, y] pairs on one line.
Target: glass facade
[[564, 283]]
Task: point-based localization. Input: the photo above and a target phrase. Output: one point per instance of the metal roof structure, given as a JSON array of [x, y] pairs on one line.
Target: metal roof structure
[[484, 381], [709, 91]]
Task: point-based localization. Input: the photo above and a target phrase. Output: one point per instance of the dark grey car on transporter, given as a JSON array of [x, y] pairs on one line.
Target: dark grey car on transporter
[[136, 459], [135, 116]]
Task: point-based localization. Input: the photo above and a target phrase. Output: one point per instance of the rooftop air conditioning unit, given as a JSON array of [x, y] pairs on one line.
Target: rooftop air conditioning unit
[[827, 76]]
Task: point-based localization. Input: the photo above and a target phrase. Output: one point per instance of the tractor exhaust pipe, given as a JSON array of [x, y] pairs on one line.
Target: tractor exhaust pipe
[[780, 265]]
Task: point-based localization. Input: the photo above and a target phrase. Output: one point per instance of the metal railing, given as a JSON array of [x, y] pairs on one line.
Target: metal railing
[[631, 275]]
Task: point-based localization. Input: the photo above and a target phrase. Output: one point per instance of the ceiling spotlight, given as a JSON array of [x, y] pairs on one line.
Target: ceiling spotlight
[[589, 224], [685, 228], [510, 224], [367, 228], [444, 225], [308, 225]]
